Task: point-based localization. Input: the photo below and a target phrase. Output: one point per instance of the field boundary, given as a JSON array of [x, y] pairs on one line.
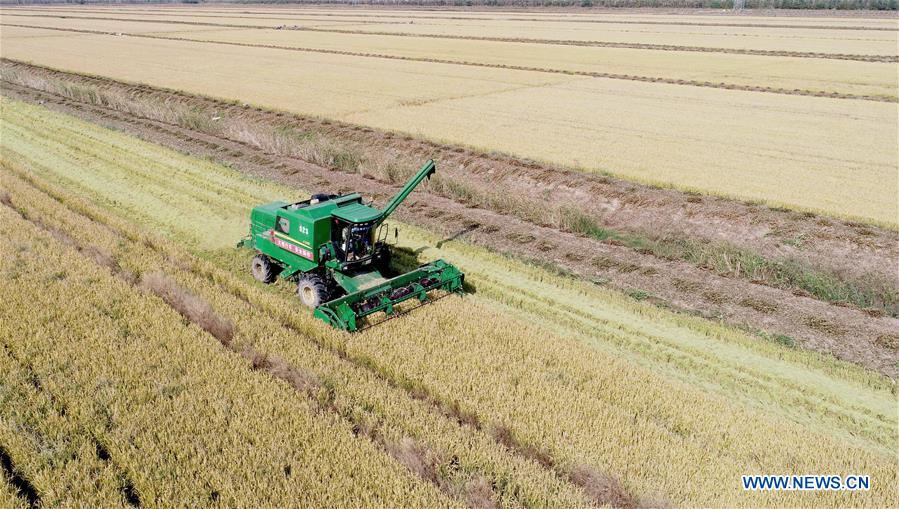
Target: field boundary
[[588, 74], [557, 42], [628, 45]]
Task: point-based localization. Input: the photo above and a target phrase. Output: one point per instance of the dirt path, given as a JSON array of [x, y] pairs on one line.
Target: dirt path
[[848, 333]]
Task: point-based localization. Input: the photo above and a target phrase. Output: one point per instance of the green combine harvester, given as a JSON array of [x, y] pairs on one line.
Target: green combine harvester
[[335, 248]]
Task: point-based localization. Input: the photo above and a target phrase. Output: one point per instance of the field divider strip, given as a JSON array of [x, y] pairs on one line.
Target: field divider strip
[[565, 20], [582, 476], [516, 40], [602, 75]]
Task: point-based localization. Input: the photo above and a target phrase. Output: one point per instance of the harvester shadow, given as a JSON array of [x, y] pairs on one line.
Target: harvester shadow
[[404, 260], [458, 234]]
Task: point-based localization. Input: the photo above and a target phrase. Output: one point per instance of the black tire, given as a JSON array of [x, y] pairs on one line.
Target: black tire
[[312, 290], [263, 269]]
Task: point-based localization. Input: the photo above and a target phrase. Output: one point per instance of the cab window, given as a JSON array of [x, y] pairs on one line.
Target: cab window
[[283, 225]]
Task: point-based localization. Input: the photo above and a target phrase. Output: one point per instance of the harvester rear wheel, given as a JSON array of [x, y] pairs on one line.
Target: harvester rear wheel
[[312, 290], [263, 269]]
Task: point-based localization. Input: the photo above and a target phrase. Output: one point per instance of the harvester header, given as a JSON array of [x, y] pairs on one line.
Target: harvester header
[[335, 248]]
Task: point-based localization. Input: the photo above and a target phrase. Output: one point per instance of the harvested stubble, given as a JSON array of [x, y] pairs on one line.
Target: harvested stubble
[[342, 15], [577, 396], [840, 151]]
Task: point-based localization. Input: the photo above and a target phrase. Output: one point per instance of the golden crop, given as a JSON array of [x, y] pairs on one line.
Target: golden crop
[[49, 446], [184, 420], [788, 73], [10, 496], [675, 408], [368, 400], [510, 25], [749, 145]]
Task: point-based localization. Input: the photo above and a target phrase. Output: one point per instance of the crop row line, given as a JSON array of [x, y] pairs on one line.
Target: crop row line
[[129, 494], [554, 42], [572, 20], [589, 74], [582, 476], [626, 45]]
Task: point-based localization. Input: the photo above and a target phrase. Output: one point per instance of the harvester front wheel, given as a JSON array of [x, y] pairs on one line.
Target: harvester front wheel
[[263, 269], [312, 290]]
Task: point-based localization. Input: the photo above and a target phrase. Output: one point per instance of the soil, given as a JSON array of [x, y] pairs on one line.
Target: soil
[[846, 332]]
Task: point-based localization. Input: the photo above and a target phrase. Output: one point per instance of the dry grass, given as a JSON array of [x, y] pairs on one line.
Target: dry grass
[[603, 489], [103, 258], [890, 341], [478, 493], [276, 366], [414, 457], [190, 306], [824, 325], [760, 305]]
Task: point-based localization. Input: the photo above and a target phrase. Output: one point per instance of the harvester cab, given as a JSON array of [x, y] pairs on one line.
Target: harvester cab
[[335, 248]]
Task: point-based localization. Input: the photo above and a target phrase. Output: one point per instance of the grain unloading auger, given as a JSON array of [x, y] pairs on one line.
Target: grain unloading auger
[[335, 248]]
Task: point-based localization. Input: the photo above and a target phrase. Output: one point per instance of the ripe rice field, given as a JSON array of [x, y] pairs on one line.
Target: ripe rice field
[[788, 73], [136, 345], [816, 34], [540, 97]]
